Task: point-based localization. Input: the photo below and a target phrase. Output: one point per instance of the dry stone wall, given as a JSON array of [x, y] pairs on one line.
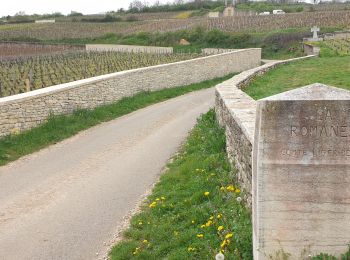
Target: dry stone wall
[[236, 112], [24, 111], [211, 51]]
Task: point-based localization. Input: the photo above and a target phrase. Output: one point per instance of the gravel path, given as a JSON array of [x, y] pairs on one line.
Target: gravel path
[[69, 200]]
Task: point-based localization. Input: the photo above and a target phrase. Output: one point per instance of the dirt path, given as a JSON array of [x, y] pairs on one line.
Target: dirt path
[[67, 201]]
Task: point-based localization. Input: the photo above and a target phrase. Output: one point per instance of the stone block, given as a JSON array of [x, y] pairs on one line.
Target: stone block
[[301, 173]]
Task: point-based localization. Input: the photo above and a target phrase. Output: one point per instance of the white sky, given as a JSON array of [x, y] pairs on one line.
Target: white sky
[[10, 7]]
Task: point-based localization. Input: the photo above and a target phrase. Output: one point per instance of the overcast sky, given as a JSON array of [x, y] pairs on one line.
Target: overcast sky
[[10, 7]]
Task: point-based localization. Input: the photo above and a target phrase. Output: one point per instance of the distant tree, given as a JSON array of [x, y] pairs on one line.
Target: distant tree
[[179, 2], [20, 13], [136, 5], [74, 13]]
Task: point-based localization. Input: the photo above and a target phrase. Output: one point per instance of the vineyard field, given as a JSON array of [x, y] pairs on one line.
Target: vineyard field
[[25, 74], [239, 23], [338, 46], [10, 50]]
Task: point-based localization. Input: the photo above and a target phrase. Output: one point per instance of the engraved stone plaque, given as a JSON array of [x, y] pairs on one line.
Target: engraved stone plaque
[[301, 173]]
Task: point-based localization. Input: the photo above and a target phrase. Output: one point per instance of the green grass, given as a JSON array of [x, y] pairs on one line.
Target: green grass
[[168, 229], [333, 71], [58, 128]]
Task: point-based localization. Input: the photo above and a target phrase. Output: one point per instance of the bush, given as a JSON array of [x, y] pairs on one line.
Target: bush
[[107, 19]]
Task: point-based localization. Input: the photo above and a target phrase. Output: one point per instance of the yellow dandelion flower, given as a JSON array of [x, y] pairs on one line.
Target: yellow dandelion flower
[[203, 226], [222, 188], [193, 221], [223, 244], [209, 223], [211, 218], [200, 235], [219, 216], [145, 241], [220, 228], [163, 198], [237, 190], [153, 204], [229, 235], [230, 188], [140, 223], [206, 193], [157, 199]]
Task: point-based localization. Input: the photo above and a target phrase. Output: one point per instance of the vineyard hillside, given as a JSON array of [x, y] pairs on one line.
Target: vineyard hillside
[[25, 74], [239, 23]]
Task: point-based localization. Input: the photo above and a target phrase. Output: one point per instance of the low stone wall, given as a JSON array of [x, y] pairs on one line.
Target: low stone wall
[[128, 48], [24, 111], [337, 35], [236, 112], [309, 49], [211, 51]]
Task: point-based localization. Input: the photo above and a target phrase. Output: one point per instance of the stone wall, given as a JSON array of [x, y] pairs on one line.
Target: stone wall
[[128, 48], [309, 49], [211, 51], [337, 35], [236, 112], [25, 111]]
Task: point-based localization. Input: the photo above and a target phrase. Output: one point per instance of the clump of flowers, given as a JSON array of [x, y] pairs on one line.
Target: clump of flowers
[[156, 202], [230, 188]]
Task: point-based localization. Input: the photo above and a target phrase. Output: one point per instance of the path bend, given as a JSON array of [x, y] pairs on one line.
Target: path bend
[[68, 200]]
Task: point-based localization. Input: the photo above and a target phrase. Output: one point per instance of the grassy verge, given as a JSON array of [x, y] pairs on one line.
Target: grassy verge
[[195, 210], [333, 71], [58, 128]]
